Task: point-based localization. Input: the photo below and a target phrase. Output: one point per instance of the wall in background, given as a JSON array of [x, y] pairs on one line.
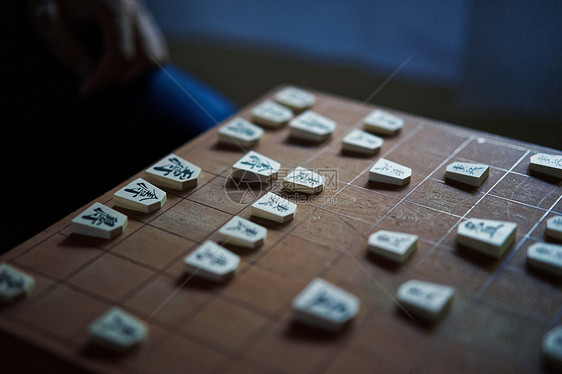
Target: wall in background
[[497, 61], [368, 35]]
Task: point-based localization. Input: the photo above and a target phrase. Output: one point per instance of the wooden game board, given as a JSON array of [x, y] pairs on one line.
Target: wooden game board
[[497, 321]]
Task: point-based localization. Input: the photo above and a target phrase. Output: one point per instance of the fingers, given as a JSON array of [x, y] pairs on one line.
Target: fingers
[[150, 38], [116, 21], [133, 44], [131, 41], [150, 45], [58, 35]]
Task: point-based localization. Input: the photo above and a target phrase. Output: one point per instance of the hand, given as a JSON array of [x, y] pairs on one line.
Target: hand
[[130, 40]]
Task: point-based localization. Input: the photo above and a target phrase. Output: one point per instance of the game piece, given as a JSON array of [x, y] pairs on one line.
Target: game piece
[[385, 171], [141, 196], [467, 173], [311, 126], [212, 262], [174, 172], [295, 98], [255, 167], [547, 164], [325, 306], [554, 227], [14, 283], [395, 246], [274, 208], [487, 236], [547, 257], [382, 123], [240, 132], [552, 347], [359, 141], [304, 180], [117, 330], [425, 300], [271, 114], [243, 233], [99, 221]]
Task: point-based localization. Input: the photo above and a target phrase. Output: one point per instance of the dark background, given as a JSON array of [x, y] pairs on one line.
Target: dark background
[[490, 65]]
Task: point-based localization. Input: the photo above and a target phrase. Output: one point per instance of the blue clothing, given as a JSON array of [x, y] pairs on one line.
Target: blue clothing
[[185, 101], [166, 105], [61, 151]]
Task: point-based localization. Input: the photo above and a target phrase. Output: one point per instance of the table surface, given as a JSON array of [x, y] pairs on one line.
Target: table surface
[[496, 323]]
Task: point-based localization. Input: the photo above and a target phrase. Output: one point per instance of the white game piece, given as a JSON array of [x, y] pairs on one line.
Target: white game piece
[[552, 347], [212, 262], [554, 227], [174, 172], [117, 330], [425, 300], [271, 114], [304, 180], [243, 233], [382, 123], [359, 141], [467, 173], [311, 126], [295, 98], [240, 132], [99, 221], [255, 167], [487, 236], [141, 196], [547, 257], [547, 164], [325, 306], [395, 246], [274, 208], [385, 171], [14, 283]]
